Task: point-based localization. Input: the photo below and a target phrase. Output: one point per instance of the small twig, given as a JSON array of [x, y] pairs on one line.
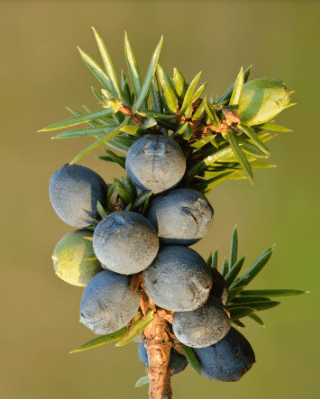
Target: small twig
[[159, 344], [231, 115], [127, 111]]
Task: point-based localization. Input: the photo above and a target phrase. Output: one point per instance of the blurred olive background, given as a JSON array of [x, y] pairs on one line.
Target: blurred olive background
[[41, 73]]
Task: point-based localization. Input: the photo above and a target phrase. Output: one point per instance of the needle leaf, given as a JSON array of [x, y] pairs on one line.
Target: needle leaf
[[240, 155], [148, 79], [109, 66]]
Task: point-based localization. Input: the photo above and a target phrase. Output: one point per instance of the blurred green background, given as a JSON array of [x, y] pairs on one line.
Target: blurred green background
[[42, 72]]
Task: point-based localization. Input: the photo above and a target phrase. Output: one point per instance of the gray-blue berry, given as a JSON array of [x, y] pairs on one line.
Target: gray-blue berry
[[155, 162], [202, 327], [181, 216], [125, 242], [227, 360], [177, 361], [108, 303], [74, 191], [178, 279]]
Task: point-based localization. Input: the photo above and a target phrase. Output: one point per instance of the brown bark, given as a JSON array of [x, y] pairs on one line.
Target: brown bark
[[158, 339], [159, 343]]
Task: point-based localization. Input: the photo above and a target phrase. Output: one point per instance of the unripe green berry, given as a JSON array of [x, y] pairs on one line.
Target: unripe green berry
[[74, 260], [262, 99]]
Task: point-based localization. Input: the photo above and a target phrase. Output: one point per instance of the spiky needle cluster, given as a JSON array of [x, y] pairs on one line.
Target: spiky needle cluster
[[217, 136]]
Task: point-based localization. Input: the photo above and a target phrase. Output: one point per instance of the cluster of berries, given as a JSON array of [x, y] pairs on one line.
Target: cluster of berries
[[176, 278]]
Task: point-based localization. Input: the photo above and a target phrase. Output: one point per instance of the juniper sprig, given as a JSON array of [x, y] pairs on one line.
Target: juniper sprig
[[219, 138]]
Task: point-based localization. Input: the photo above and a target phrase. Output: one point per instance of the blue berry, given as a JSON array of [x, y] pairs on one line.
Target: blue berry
[[125, 242], [202, 327], [108, 303], [227, 360], [181, 216], [178, 279], [155, 162], [74, 191]]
